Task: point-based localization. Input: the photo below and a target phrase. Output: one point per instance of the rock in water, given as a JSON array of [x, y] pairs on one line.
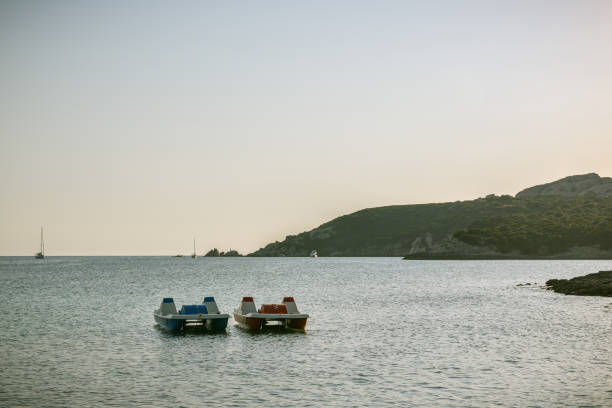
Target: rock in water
[[594, 284]]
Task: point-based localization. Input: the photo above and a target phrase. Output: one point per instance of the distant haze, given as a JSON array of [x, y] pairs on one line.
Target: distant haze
[[128, 128]]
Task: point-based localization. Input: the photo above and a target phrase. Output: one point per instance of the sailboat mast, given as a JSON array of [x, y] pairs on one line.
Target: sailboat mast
[[194, 246], [42, 242]]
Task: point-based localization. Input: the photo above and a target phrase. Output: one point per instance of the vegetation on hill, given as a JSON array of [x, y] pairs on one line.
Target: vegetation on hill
[[537, 225], [545, 226], [384, 231], [533, 225]]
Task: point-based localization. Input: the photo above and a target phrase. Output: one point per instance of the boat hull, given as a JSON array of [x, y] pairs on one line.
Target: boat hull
[[169, 324], [251, 323], [175, 323], [297, 324], [216, 324], [259, 320]]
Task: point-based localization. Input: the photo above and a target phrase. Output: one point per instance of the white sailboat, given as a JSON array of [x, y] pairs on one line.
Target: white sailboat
[[41, 254], [194, 255]]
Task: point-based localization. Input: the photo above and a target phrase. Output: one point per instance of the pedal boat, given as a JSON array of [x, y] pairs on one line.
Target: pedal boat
[[204, 315], [285, 314]]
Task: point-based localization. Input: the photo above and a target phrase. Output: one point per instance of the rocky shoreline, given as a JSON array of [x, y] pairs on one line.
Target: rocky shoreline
[[594, 284]]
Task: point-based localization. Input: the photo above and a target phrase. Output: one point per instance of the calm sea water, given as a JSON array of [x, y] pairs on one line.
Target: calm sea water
[[80, 332]]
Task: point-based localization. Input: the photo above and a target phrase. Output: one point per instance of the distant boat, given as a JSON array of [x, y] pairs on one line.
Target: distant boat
[[194, 255], [178, 256], [313, 254], [41, 254]]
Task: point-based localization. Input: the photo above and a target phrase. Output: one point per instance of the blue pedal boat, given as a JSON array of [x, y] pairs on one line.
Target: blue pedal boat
[[204, 315]]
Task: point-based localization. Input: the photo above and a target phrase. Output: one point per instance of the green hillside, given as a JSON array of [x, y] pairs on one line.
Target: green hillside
[[546, 226], [387, 231], [577, 226]]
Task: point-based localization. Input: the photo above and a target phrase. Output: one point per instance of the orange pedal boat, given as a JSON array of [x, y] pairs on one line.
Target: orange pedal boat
[[284, 314]]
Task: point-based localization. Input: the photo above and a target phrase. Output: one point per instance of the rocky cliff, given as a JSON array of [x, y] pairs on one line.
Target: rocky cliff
[[590, 183]]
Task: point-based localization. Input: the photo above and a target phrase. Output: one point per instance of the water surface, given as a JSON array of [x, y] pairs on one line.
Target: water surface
[[79, 331]]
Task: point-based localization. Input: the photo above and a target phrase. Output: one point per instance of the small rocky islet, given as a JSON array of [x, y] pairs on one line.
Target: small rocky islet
[[594, 284], [216, 252]]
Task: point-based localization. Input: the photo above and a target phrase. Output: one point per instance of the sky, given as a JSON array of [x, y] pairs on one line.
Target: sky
[[130, 127]]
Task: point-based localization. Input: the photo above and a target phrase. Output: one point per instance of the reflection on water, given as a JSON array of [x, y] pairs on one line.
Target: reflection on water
[[80, 331]]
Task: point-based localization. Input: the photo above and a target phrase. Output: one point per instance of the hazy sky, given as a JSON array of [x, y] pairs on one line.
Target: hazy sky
[[128, 127]]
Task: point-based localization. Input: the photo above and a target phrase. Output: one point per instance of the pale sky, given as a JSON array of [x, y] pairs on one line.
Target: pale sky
[[128, 127]]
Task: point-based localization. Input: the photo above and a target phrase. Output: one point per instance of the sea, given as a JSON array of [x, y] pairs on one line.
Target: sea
[[79, 332]]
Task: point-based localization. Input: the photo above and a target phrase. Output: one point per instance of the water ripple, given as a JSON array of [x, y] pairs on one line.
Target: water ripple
[[383, 332]]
